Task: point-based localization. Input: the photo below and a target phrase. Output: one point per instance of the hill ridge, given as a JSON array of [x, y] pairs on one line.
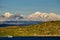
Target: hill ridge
[[46, 28]]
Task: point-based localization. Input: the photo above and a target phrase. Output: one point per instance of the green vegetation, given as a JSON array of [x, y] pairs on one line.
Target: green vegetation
[[46, 28]]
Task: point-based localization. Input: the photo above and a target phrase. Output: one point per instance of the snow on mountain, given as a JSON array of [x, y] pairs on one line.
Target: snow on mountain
[[17, 16], [37, 16], [43, 16], [9, 16]]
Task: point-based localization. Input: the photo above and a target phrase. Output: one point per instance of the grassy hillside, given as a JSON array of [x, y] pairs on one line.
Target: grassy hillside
[[46, 28]]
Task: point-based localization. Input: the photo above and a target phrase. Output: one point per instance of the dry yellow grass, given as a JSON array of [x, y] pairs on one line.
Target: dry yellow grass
[[47, 28]]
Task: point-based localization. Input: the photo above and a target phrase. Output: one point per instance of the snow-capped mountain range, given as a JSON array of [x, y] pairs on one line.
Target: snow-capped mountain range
[[38, 16], [9, 16], [43, 16]]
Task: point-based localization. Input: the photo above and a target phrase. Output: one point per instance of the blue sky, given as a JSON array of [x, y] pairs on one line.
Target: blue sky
[[29, 6]]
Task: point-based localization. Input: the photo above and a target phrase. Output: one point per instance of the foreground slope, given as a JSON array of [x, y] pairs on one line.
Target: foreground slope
[[46, 28]]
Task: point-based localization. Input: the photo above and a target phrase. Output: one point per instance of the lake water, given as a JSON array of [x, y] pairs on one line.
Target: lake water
[[30, 38], [19, 23]]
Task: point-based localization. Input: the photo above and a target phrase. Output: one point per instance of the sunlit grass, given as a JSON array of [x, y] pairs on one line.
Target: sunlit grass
[[46, 28]]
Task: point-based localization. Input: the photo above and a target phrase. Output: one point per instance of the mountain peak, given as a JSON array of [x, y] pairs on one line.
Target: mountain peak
[[7, 14], [35, 16], [43, 16], [37, 12]]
